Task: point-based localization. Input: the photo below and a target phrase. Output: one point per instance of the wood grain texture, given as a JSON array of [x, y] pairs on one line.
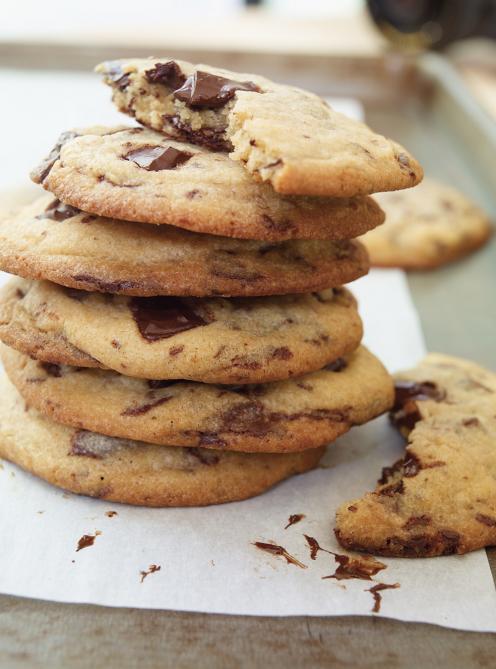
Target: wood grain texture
[[40, 634]]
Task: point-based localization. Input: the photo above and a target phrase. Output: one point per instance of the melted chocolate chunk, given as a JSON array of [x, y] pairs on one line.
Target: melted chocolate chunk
[[42, 171], [337, 365], [58, 211], [273, 549], [152, 383], [202, 90], [213, 138], [162, 317], [205, 457], [168, 74], [141, 409], [157, 158], [105, 286], [247, 418], [405, 413], [485, 520], [93, 445], [211, 439], [51, 369]]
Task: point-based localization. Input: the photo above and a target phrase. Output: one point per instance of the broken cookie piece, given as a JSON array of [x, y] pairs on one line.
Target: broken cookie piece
[[440, 498], [281, 134]]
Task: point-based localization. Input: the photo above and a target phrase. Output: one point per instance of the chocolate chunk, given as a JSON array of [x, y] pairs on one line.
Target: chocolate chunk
[[41, 172], [116, 74], [93, 445], [247, 418], [337, 365], [202, 90], [282, 353], [411, 465], [485, 520], [213, 138], [86, 541], [58, 211], [473, 421], [416, 521], [51, 369], [76, 294], [204, 456], [211, 439], [168, 74], [105, 286], [405, 413], [141, 409], [162, 317], [157, 158]]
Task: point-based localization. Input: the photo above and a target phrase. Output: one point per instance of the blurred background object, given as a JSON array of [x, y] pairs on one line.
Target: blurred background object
[[433, 23]]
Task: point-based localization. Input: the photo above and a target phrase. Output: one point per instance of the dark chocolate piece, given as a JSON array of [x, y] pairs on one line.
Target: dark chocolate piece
[[168, 74], [162, 317], [405, 413], [202, 90], [42, 171], [157, 158], [336, 365], [58, 211]]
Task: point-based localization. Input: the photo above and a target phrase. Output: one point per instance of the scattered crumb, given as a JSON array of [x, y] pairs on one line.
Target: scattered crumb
[[294, 518], [279, 550], [111, 514], [87, 540], [375, 592]]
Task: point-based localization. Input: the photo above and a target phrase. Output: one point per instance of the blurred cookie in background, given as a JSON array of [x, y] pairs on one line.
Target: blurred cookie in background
[[426, 227]]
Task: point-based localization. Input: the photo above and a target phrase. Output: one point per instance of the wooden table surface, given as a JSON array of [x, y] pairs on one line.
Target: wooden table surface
[[44, 634]]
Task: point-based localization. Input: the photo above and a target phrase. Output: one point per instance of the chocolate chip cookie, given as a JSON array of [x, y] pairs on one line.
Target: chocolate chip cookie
[[139, 175], [214, 340], [284, 416], [282, 135], [133, 472], [440, 498], [54, 241], [426, 227]]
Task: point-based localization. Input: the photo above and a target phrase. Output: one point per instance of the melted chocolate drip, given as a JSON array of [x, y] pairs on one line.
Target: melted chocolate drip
[[168, 74], [58, 211], [157, 158], [162, 317], [202, 90]]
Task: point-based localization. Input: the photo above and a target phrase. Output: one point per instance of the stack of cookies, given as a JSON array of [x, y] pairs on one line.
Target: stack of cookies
[[181, 334]]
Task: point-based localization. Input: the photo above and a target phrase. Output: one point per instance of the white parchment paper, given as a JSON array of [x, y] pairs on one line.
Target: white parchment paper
[[206, 556]]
